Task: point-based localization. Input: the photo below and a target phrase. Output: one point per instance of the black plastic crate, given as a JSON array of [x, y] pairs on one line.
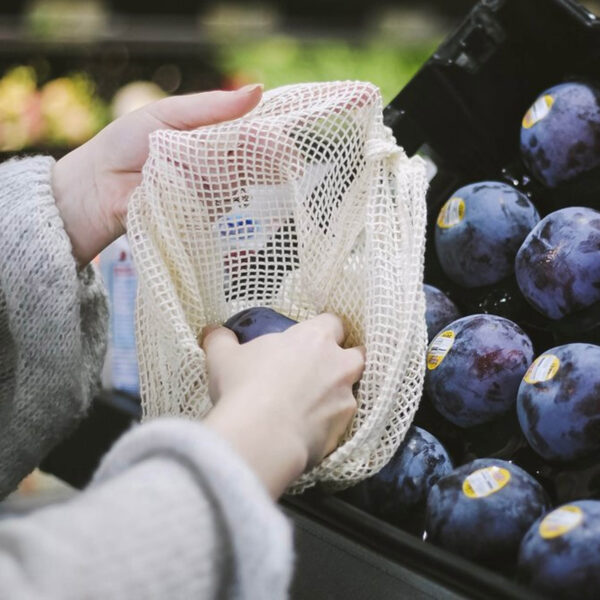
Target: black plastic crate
[[464, 107], [464, 110], [346, 554]]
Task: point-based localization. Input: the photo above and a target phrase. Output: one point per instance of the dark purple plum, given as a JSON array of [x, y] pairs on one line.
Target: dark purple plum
[[482, 510], [558, 404], [479, 230], [560, 554], [401, 487], [557, 267], [439, 311], [560, 134], [503, 440], [256, 321], [474, 368]]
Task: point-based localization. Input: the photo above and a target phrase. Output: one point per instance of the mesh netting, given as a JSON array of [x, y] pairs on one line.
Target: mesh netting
[[305, 205]]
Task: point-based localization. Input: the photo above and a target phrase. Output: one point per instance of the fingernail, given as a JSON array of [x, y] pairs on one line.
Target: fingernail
[[251, 88]]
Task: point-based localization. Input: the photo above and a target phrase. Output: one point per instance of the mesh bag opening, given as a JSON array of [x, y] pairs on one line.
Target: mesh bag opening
[[305, 205]]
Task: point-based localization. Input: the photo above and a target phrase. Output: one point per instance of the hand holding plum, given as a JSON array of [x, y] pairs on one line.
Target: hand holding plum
[[283, 400]]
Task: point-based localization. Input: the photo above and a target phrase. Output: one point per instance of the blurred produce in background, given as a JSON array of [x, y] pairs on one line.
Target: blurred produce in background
[[20, 112], [285, 60], [67, 67], [63, 112]]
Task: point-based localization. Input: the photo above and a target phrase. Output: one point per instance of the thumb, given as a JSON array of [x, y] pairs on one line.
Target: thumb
[[216, 341], [195, 110]]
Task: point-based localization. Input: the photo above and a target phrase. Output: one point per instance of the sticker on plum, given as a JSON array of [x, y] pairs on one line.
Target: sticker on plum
[[484, 482], [439, 348], [538, 111], [543, 368], [560, 521], [452, 213]]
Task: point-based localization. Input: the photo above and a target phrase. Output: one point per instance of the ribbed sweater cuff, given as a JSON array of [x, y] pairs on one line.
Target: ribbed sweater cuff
[[258, 533], [53, 322]]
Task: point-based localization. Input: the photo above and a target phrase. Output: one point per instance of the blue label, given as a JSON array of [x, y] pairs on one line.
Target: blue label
[[239, 227]]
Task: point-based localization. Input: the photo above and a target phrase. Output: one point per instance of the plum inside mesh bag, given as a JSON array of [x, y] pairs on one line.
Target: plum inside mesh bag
[[304, 205]]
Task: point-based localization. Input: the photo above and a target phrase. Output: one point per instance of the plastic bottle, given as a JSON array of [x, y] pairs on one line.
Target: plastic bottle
[[120, 277]]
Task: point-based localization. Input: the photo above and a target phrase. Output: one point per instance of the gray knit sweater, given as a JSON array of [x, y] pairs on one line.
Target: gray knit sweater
[[172, 512]]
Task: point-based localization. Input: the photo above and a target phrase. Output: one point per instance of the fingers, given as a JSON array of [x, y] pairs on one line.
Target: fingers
[[346, 410], [217, 341], [355, 362], [195, 110], [330, 325]]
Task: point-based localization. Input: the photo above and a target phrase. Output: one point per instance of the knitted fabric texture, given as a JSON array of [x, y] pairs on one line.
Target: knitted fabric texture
[[52, 323], [173, 512], [307, 205]]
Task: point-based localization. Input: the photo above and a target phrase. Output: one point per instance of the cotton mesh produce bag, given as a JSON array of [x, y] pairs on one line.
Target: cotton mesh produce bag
[[305, 205]]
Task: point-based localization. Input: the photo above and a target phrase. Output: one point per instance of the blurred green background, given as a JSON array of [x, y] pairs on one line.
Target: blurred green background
[[282, 60], [67, 67]]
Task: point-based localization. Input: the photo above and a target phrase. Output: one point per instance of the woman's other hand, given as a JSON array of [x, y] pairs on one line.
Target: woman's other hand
[[93, 183]]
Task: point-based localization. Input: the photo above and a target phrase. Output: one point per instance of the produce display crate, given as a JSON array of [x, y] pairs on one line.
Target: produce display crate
[[463, 109]]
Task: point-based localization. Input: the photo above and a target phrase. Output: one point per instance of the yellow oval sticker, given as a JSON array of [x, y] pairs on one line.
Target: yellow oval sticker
[[439, 348], [543, 368], [560, 521], [452, 213], [486, 481], [538, 111]]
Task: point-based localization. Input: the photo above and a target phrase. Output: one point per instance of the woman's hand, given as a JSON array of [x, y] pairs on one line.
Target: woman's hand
[[283, 400], [92, 184]]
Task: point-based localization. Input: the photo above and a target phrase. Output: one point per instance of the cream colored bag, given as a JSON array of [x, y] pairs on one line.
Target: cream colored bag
[[305, 205]]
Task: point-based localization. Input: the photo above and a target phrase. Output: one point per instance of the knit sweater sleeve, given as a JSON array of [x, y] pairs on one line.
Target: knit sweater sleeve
[[172, 512], [53, 323]]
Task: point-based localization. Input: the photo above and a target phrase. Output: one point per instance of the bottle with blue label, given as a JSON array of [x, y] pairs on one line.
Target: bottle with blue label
[[120, 277]]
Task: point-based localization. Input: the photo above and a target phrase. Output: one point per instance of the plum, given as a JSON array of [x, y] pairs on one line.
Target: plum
[[401, 487], [560, 133], [558, 403], [256, 321], [482, 510], [439, 311], [503, 440], [560, 554], [479, 230], [474, 368], [557, 266]]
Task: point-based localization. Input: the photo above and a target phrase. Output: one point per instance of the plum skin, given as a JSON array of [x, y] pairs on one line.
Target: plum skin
[[480, 249], [256, 321], [404, 482], [565, 566], [479, 377], [439, 310], [557, 268], [560, 417], [565, 142], [489, 529]]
